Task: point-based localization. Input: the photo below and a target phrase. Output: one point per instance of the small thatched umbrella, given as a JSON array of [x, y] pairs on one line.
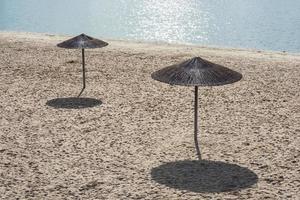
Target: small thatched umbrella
[[82, 42], [196, 72]]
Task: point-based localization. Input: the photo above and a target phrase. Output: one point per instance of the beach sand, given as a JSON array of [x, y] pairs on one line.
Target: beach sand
[[138, 143]]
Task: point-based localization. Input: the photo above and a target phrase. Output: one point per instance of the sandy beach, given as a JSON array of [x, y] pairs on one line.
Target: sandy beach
[[136, 141]]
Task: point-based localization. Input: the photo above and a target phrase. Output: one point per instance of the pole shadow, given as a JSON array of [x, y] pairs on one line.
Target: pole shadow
[[73, 102], [204, 176]]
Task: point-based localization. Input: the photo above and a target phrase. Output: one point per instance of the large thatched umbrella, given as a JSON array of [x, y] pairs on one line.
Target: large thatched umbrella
[[196, 72], [82, 42]]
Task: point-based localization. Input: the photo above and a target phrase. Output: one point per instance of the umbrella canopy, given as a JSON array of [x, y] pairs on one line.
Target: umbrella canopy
[[196, 72], [82, 41]]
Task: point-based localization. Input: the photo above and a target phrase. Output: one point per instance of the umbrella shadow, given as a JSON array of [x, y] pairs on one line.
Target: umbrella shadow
[[73, 102], [204, 176]]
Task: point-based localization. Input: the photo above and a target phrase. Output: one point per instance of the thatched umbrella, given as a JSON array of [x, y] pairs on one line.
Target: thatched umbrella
[[82, 42], [196, 72]]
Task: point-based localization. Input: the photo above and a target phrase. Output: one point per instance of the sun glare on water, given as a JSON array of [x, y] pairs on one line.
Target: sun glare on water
[[170, 20]]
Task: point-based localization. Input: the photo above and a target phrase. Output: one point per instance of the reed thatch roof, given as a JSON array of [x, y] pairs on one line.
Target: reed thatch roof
[[82, 41], [196, 72]]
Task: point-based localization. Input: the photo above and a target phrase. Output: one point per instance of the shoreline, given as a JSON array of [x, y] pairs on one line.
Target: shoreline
[[157, 46]]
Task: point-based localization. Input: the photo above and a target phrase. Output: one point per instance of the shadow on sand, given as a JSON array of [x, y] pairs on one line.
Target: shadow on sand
[[204, 176], [73, 102]]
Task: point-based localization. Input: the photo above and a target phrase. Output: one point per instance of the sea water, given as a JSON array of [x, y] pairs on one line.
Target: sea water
[[254, 24]]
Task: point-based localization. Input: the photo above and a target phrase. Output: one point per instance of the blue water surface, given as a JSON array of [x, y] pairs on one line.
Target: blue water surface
[[255, 24]]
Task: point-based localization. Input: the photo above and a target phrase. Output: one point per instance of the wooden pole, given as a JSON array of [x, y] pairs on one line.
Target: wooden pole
[[196, 124], [83, 72]]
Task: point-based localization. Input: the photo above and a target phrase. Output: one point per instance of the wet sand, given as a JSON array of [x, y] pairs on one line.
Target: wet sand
[[132, 137]]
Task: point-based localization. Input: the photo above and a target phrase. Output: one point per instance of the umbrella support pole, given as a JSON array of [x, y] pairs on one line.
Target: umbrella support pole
[[83, 73], [196, 124]]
